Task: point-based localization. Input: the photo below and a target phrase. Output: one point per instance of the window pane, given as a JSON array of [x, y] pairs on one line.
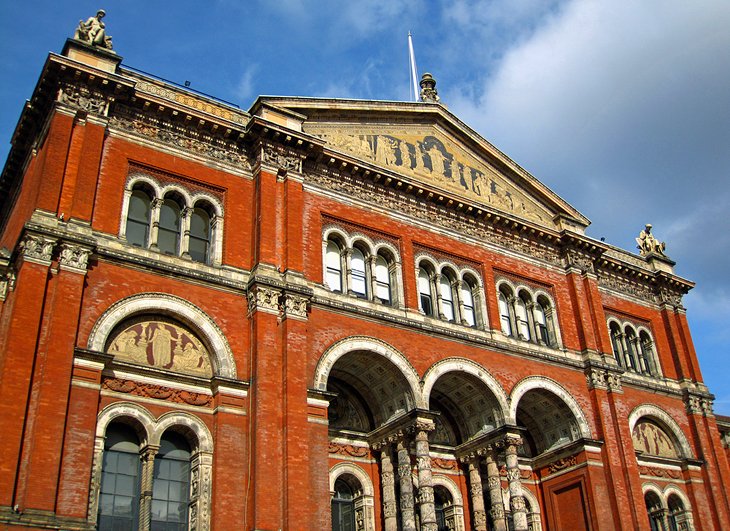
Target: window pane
[[359, 279], [522, 324], [504, 315], [168, 237], [200, 233], [138, 218], [424, 291], [171, 479], [333, 275], [468, 300], [447, 298], [382, 280]]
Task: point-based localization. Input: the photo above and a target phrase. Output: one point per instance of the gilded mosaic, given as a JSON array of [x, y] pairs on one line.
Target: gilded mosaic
[[162, 344], [441, 163]]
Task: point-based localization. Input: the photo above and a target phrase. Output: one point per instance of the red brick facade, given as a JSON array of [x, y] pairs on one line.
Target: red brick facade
[[507, 407]]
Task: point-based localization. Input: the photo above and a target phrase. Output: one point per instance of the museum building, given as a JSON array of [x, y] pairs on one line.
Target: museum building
[[325, 314]]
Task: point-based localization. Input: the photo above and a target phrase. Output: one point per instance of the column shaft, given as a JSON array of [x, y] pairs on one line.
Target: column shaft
[[516, 500], [390, 506], [425, 483], [476, 490], [496, 510], [408, 518]]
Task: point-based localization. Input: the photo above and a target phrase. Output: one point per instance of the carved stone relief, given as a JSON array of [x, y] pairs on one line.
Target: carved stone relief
[[439, 161], [156, 391], [83, 98], [73, 257], [155, 342], [38, 248]]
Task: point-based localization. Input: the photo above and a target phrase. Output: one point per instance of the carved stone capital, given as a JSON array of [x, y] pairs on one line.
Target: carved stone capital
[[613, 380], [295, 306], [497, 512], [578, 260], [693, 404], [284, 160], [670, 296], [74, 257], [264, 299], [596, 378], [38, 249]]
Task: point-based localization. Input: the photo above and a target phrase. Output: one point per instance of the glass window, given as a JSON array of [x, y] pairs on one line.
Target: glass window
[[168, 236], [171, 484], [447, 298], [382, 280], [504, 317], [200, 231], [424, 292], [119, 496], [523, 325], [467, 299], [631, 349], [616, 344], [646, 353], [441, 501], [333, 264], [541, 323], [138, 218], [343, 507], [359, 277]]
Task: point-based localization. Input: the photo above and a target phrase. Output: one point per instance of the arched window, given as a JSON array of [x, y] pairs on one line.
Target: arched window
[[467, 300], [359, 274], [424, 291], [171, 484], [679, 517], [654, 511], [523, 323], [616, 344], [119, 496], [442, 501], [343, 507], [543, 321], [200, 233], [646, 354], [168, 237], [333, 265], [138, 218], [382, 280], [447, 297], [631, 346], [504, 314]]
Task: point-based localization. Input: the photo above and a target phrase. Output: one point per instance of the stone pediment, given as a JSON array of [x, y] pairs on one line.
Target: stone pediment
[[428, 145]]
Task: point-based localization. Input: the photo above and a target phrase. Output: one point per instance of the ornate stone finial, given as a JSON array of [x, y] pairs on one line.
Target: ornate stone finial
[[648, 244], [93, 31], [429, 94]]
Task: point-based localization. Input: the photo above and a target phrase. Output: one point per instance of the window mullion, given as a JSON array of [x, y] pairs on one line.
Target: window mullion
[[186, 216], [155, 222], [147, 456]]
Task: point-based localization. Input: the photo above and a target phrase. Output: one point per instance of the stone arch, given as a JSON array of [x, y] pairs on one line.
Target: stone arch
[[666, 421], [652, 487], [451, 486], [190, 425], [223, 361], [176, 188], [369, 344], [424, 257], [141, 420], [138, 177], [364, 242], [206, 198], [674, 490], [467, 366], [543, 383], [389, 247], [351, 468]]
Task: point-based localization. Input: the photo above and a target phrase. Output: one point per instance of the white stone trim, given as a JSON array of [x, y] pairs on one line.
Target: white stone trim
[[223, 361], [366, 501], [547, 384]]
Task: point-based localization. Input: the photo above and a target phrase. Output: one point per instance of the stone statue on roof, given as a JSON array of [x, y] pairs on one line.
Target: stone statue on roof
[[648, 244], [429, 94], [93, 31]]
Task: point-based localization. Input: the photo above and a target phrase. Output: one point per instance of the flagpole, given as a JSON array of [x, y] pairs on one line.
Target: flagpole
[[412, 64]]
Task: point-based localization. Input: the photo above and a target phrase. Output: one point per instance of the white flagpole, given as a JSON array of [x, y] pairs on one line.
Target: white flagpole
[[412, 63]]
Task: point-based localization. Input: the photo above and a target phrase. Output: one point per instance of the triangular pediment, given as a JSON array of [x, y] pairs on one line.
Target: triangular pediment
[[429, 146]]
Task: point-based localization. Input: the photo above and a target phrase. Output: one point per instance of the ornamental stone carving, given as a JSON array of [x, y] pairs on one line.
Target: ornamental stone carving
[[295, 306], [263, 298], [614, 382], [429, 94], [281, 158], [38, 249], [670, 296], [562, 463], [7, 283], [584, 262], [84, 99], [693, 404], [74, 257], [596, 378]]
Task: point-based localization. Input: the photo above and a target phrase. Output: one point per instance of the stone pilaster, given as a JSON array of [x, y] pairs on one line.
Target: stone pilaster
[[476, 494], [516, 500], [408, 517], [496, 510], [425, 481], [387, 479]]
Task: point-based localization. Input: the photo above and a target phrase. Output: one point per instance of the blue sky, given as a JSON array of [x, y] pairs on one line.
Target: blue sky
[[621, 107]]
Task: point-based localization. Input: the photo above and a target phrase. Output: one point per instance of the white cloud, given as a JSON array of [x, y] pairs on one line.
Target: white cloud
[[246, 88]]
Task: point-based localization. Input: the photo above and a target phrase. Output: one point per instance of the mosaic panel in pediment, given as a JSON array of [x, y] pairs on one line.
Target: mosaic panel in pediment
[[435, 159], [653, 440], [160, 343]]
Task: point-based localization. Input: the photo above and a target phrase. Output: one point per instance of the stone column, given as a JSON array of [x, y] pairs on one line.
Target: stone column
[[496, 510], [408, 518], [425, 482], [390, 505], [186, 215], [476, 491], [370, 277], [516, 500], [154, 222], [145, 499]]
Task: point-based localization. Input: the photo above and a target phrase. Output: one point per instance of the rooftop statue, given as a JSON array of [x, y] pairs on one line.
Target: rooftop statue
[[648, 244], [429, 93], [93, 31]]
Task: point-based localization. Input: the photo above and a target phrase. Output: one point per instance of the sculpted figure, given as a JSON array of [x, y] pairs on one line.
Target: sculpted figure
[[648, 244], [93, 31]]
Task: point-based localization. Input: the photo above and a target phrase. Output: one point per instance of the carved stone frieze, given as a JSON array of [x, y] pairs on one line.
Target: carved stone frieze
[[38, 249], [157, 392], [186, 138], [613, 380], [348, 450], [596, 378], [624, 285], [74, 257], [85, 99], [670, 296], [281, 158], [693, 404], [431, 213], [444, 464], [562, 463], [659, 472], [263, 298], [577, 259]]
